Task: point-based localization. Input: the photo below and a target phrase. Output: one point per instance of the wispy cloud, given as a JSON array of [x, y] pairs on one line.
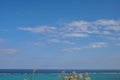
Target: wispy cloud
[[8, 51], [104, 22], [39, 29], [96, 45], [80, 25], [79, 28], [75, 35], [94, 27], [61, 41], [108, 29], [111, 37], [113, 28], [92, 45]]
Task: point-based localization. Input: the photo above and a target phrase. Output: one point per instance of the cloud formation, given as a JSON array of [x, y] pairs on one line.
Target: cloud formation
[[97, 45], [94, 27], [39, 29], [90, 46], [102, 29], [79, 28], [75, 35]]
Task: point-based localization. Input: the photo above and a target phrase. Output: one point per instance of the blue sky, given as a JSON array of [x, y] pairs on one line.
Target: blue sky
[[60, 34]]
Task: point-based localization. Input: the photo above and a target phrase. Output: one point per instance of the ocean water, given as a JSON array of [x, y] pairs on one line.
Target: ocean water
[[55, 74]]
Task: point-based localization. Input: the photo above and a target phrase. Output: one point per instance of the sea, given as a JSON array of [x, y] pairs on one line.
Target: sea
[[54, 74]]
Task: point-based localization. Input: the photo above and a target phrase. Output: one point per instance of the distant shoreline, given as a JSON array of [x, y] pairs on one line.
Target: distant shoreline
[[59, 70]]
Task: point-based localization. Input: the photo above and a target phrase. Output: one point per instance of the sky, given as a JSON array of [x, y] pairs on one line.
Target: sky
[[60, 34]]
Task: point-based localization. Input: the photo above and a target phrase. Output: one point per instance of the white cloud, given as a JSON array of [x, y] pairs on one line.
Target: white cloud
[[80, 25], [108, 29], [92, 45], [79, 28], [94, 27], [113, 25], [76, 26], [110, 37], [96, 45], [104, 22], [40, 29], [75, 35], [106, 32], [61, 41], [114, 28], [2, 40], [8, 51]]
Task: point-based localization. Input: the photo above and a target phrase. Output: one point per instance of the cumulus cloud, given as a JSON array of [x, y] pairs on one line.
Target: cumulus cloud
[[92, 45], [39, 29], [8, 51]]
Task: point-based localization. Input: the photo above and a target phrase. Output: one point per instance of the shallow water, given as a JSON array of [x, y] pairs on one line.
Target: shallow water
[[40, 76]]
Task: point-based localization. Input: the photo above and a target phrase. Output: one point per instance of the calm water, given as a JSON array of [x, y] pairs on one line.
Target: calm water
[[54, 74]]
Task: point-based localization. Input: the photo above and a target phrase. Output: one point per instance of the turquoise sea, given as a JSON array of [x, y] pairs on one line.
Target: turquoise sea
[[21, 75]]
